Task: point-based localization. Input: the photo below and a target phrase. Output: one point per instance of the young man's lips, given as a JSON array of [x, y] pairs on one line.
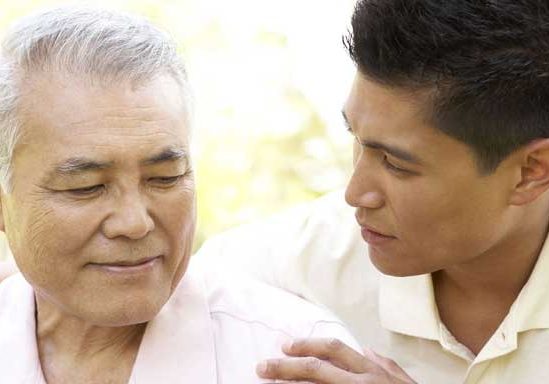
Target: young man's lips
[[373, 237]]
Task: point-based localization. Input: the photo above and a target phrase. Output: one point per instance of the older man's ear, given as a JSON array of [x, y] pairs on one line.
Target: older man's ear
[[4, 199], [2, 228], [7, 268]]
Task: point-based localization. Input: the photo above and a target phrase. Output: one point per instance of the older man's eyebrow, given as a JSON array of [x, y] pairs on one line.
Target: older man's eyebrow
[[167, 155], [80, 164]]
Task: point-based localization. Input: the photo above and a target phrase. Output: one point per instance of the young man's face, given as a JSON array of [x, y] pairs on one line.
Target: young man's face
[[419, 187]]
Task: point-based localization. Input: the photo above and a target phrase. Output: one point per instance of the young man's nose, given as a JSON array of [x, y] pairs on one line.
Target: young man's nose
[[363, 189]]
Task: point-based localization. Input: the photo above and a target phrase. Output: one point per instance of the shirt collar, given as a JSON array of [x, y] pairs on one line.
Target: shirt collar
[[530, 309], [19, 359], [407, 305], [177, 347]]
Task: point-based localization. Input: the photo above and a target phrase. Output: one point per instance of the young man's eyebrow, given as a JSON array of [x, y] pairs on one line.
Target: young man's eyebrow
[[346, 120], [167, 155], [390, 149]]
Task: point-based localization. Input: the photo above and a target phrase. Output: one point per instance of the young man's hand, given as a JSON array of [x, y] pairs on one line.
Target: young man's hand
[[329, 361]]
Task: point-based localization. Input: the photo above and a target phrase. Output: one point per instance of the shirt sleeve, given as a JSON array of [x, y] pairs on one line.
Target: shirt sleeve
[[291, 250], [335, 329], [314, 251]]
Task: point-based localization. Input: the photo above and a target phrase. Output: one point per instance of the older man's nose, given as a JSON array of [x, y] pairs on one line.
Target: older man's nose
[[130, 218]]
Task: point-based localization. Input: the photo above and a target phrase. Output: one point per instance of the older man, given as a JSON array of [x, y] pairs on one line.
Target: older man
[[98, 205]]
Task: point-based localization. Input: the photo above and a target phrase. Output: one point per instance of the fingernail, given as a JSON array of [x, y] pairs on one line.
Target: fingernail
[[262, 368], [287, 346]]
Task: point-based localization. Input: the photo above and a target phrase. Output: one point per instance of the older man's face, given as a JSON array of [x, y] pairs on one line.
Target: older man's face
[[102, 211]]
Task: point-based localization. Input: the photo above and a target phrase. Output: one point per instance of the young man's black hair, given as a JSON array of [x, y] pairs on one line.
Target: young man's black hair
[[485, 65]]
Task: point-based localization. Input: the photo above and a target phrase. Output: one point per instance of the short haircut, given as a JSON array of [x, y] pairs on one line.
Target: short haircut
[[485, 62], [104, 46]]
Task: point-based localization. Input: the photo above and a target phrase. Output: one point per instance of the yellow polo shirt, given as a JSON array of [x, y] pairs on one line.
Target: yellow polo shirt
[[316, 251]]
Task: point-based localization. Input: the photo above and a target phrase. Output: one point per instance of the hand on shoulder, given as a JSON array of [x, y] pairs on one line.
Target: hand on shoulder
[[329, 361]]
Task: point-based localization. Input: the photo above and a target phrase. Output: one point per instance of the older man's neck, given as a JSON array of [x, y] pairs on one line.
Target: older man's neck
[[72, 350]]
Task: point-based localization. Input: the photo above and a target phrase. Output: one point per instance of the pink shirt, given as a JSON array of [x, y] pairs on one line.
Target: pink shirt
[[212, 330]]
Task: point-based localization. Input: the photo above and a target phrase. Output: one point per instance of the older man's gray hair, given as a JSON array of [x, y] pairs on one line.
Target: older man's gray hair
[[106, 46]]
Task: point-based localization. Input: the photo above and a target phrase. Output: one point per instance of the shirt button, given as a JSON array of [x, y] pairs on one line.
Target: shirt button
[[501, 341]]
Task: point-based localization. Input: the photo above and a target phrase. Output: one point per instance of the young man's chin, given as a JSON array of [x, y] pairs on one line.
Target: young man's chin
[[394, 264]]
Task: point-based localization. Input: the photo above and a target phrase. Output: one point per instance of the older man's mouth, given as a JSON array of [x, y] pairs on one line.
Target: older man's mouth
[[129, 266]]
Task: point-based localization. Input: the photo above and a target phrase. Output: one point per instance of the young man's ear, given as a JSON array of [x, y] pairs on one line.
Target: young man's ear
[[534, 178]]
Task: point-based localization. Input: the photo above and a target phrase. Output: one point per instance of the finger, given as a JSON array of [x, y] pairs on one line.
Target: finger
[[303, 369], [333, 350], [388, 365], [275, 381]]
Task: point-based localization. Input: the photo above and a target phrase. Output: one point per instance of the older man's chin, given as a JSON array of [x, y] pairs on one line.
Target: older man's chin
[[7, 268]]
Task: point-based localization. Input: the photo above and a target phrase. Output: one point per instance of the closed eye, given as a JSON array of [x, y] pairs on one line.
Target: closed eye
[[387, 164], [86, 191], [167, 181]]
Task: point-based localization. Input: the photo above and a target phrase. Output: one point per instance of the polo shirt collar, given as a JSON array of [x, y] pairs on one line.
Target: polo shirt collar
[[19, 359], [177, 347], [531, 310], [407, 305]]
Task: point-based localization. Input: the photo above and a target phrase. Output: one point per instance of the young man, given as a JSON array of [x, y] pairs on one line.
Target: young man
[[449, 112]]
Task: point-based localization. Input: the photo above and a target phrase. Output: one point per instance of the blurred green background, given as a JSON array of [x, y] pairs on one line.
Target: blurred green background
[[269, 79]]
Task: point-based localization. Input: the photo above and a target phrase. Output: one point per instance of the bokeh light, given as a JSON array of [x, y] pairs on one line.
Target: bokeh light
[[269, 79]]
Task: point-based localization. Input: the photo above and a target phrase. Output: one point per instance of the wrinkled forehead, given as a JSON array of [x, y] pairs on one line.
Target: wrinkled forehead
[[56, 103], [66, 116]]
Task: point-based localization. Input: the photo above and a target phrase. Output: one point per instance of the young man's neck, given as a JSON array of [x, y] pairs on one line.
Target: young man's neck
[[72, 350], [474, 298]]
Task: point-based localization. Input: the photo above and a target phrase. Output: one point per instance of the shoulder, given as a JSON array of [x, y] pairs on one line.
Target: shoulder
[[246, 302], [16, 303], [13, 289], [314, 249], [7, 268], [318, 217]]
